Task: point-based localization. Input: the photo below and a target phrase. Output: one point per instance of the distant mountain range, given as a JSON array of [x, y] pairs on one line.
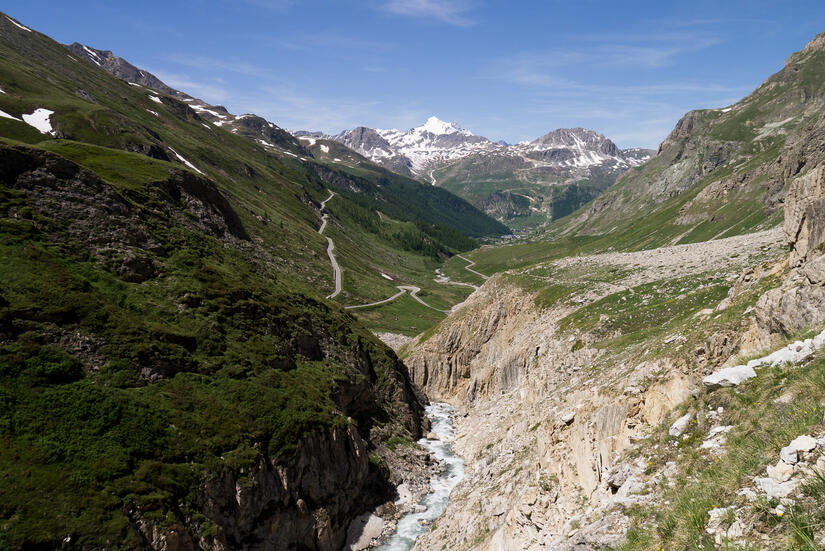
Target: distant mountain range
[[524, 184]]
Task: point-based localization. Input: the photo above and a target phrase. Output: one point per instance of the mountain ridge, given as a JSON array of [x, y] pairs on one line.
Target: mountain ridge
[[552, 174]]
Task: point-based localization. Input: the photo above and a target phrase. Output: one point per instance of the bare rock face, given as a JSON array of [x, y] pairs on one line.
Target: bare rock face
[[307, 501], [470, 357], [800, 302], [805, 215]]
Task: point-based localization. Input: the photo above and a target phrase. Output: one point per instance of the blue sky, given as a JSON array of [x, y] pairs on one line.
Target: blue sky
[[505, 70]]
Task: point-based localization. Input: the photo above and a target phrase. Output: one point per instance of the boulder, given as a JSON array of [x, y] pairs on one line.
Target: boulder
[[363, 530], [803, 443], [679, 426], [729, 376], [774, 489], [789, 455], [780, 472]]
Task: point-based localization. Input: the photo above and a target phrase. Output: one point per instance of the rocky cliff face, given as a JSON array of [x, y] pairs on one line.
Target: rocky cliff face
[[799, 303], [553, 411], [121, 68]]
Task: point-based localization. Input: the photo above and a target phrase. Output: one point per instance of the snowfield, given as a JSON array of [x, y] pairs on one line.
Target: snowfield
[[40, 120]]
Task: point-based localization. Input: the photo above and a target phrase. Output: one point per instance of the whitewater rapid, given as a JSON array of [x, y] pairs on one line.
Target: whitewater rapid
[[413, 525]]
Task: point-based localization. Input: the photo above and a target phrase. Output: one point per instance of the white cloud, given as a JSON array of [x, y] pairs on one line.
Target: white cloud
[[452, 12], [214, 65], [209, 92]]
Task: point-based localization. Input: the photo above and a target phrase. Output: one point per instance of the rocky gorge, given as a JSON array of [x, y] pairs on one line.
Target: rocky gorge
[[560, 413]]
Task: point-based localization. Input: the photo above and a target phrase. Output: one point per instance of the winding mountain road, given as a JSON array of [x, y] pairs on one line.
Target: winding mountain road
[[471, 263], [401, 290], [336, 269], [413, 290]]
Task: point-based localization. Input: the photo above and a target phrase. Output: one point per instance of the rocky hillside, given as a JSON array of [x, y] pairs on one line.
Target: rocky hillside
[[720, 172], [670, 398], [553, 174], [590, 418]]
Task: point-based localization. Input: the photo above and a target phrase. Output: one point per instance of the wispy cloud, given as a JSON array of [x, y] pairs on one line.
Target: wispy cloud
[[629, 51], [567, 86], [452, 12], [212, 92], [217, 65]]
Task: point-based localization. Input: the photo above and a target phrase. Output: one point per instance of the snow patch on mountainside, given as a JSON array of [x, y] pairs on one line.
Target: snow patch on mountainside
[[436, 143], [184, 161], [7, 116], [18, 25], [40, 120], [93, 56]]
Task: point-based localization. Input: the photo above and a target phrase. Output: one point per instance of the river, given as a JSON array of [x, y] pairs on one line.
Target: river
[[413, 525]]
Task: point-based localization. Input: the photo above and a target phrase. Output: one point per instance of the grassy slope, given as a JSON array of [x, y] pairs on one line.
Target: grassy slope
[[272, 192], [231, 339], [761, 427]]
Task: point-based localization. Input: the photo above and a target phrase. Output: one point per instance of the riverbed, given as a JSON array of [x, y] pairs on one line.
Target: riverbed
[[413, 525]]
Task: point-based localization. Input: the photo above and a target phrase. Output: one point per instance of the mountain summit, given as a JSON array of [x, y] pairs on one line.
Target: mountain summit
[[416, 151], [525, 184], [434, 125]]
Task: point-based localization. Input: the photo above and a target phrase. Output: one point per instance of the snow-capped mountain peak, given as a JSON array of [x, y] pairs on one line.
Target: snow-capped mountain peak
[[431, 146], [436, 126]]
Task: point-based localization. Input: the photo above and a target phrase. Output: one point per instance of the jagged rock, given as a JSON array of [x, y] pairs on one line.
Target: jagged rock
[[780, 472], [716, 438], [792, 309], [736, 530], [718, 516], [805, 214], [432, 436], [774, 489], [729, 376], [788, 455], [661, 398], [814, 270], [679, 426]]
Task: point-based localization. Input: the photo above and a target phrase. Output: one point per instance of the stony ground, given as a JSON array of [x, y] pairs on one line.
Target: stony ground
[[732, 255]]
